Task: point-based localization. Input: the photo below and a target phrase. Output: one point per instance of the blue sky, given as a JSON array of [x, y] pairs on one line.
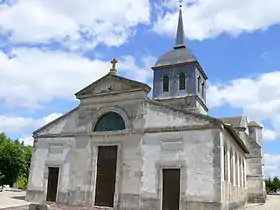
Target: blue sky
[[51, 49]]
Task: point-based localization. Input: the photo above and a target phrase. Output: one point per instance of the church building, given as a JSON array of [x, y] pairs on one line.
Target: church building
[[120, 149]]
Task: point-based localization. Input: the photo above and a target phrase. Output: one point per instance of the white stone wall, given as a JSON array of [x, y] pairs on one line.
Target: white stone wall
[[49, 152], [192, 151], [233, 190]]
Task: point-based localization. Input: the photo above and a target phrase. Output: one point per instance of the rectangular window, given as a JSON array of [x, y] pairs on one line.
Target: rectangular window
[[165, 83]]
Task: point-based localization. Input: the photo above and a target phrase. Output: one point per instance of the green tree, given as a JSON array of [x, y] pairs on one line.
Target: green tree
[[268, 184], [272, 184], [12, 160], [276, 183], [27, 160]]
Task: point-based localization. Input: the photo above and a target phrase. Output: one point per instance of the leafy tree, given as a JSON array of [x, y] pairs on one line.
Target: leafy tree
[[15, 160], [272, 184], [22, 182], [3, 138], [11, 161], [27, 160], [268, 184], [276, 183]]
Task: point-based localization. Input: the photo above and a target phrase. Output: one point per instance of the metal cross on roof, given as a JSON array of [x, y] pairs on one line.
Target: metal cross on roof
[[114, 62]]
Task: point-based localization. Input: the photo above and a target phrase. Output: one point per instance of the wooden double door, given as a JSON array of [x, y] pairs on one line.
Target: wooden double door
[[106, 176]]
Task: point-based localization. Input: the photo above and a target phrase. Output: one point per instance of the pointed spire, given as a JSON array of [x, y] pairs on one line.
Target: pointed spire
[[180, 37]]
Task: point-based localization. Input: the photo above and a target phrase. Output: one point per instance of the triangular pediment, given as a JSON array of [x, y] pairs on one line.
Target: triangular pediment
[[111, 84]]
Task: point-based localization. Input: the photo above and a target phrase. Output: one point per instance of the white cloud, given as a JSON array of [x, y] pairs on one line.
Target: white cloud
[[140, 72], [21, 124], [34, 77], [209, 18], [110, 22], [269, 134], [258, 97], [28, 140], [272, 165]]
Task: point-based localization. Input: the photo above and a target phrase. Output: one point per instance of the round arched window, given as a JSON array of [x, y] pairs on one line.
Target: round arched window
[[110, 122]]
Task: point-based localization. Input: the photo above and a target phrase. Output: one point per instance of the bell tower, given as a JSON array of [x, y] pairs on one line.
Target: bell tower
[[178, 77]]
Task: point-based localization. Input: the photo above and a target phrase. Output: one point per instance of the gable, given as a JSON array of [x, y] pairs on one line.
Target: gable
[[160, 115], [64, 124], [111, 84]]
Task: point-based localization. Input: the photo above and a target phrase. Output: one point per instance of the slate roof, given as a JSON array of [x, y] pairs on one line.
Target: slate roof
[[229, 128], [180, 53], [235, 122], [254, 124], [176, 56]]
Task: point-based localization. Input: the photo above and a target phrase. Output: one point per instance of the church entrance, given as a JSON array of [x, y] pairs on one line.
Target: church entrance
[[52, 184], [106, 175], [171, 189]]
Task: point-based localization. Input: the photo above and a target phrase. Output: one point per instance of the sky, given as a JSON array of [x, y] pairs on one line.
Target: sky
[[49, 50]]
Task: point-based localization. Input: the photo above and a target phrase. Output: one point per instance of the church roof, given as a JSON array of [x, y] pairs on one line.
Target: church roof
[[180, 53], [254, 124], [235, 122], [227, 127], [176, 56], [133, 85]]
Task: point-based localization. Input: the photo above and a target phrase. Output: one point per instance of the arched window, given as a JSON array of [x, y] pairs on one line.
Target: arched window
[[182, 81], [236, 169], [244, 173], [225, 163], [110, 122], [165, 83], [240, 172], [203, 89], [231, 166], [198, 83]]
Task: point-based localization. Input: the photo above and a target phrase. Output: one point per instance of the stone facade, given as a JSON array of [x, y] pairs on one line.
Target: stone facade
[[220, 160], [157, 136]]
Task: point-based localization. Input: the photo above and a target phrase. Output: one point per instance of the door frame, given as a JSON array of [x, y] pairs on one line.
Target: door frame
[[118, 170], [183, 179], [175, 168], [47, 166]]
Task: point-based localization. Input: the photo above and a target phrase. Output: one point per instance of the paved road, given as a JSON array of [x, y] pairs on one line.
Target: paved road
[[16, 199], [10, 199], [272, 203]]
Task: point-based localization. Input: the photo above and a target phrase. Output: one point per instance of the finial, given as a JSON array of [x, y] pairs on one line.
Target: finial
[[180, 37], [113, 70], [180, 3]]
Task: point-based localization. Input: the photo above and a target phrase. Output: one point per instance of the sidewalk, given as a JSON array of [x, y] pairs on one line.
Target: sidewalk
[[272, 203], [12, 199], [9, 199]]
